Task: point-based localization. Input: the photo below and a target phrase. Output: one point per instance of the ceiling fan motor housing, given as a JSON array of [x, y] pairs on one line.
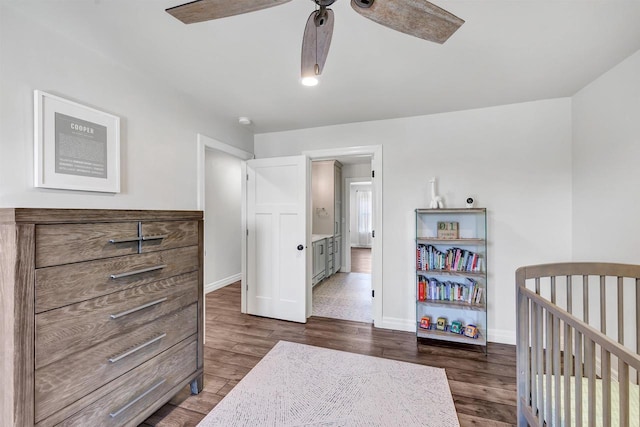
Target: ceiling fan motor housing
[[324, 3]]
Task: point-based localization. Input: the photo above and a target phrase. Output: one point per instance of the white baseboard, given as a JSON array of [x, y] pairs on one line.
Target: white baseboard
[[408, 325], [502, 336], [210, 287]]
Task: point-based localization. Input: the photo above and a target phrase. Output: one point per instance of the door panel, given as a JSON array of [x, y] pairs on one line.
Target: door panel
[[277, 224]]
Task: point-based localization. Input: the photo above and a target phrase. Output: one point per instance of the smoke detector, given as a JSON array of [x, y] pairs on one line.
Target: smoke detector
[[245, 121]]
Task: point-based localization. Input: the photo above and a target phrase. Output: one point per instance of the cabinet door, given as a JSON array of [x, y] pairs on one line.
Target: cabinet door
[[337, 254], [322, 256], [315, 258], [337, 192]]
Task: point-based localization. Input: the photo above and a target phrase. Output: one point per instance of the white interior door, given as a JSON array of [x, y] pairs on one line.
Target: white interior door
[[277, 252]]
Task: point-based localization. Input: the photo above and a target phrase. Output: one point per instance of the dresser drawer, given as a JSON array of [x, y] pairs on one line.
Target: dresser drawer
[[67, 330], [66, 243], [139, 389], [68, 284], [160, 235], [57, 385]]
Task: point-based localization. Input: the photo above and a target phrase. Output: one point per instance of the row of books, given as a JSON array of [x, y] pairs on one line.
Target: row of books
[[428, 257], [433, 289]]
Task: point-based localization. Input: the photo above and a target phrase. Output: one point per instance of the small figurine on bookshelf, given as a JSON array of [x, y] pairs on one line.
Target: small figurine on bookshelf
[[456, 327], [441, 324], [436, 201], [425, 322], [471, 331]]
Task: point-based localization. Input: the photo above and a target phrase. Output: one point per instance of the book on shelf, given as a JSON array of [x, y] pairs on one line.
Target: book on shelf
[[431, 289], [428, 257]]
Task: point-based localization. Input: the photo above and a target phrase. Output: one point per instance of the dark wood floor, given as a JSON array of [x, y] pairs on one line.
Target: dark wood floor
[[483, 386], [361, 260]]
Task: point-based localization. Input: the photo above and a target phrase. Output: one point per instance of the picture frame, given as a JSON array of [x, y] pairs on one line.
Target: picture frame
[[75, 147]]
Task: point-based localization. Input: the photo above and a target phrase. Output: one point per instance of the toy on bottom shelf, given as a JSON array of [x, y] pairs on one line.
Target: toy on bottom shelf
[[456, 327], [425, 322], [441, 325], [471, 331]]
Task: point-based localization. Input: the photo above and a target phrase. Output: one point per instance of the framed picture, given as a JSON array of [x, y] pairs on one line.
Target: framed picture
[[75, 147]]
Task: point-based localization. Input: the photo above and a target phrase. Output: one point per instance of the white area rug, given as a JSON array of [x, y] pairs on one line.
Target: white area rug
[[301, 385]]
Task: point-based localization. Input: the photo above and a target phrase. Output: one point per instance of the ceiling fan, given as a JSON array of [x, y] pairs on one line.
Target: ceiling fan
[[418, 18]]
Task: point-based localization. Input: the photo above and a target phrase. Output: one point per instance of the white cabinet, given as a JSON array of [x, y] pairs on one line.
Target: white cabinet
[[319, 260]]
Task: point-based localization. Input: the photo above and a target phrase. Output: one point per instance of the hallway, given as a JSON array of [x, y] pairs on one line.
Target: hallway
[[347, 296]]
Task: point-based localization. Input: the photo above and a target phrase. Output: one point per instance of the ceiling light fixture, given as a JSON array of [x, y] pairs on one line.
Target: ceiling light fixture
[[309, 81], [245, 121]]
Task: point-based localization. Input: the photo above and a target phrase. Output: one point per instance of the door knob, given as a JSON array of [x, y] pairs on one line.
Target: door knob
[[300, 247]]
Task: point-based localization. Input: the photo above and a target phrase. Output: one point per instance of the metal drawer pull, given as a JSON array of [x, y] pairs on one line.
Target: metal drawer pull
[[142, 307], [137, 348], [133, 273], [157, 237], [134, 401], [132, 239]]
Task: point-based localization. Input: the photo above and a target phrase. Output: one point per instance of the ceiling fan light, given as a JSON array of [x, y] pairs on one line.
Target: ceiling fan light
[[309, 81]]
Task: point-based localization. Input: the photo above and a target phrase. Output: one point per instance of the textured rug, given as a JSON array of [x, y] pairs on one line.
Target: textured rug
[[301, 385], [345, 296]]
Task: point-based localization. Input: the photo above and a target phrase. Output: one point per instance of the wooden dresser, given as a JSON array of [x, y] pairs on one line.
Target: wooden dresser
[[101, 314]]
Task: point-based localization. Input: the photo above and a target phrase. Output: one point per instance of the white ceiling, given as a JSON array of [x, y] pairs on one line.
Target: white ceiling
[[508, 51]]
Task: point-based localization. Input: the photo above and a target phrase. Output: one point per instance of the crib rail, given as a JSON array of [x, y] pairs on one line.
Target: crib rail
[[566, 358]]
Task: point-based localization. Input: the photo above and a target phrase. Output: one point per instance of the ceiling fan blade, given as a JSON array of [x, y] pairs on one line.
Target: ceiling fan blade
[[316, 42], [414, 17], [205, 10]]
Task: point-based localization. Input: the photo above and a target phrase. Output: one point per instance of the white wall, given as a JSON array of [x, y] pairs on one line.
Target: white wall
[[322, 197], [158, 124], [606, 173], [358, 170], [223, 230], [515, 160]]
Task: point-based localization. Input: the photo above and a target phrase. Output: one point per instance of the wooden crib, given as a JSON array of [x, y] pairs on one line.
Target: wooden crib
[[578, 349]]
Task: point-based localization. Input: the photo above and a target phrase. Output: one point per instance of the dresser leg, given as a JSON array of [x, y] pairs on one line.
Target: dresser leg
[[196, 385]]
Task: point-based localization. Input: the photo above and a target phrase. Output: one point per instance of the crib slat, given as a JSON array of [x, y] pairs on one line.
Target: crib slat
[[524, 355], [568, 371], [603, 305], [537, 282], [569, 295], [578, 379], [540, 364], [553, 289], [556, 369], [585, 299], [590, 367], [548, 370], [623, 380], [605, 363], [534, 357], [638, 332], [620, 312], [568, 355]]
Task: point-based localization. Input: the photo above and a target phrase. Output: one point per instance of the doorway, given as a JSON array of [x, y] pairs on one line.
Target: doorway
[[219, 181], [361, 225], [342, 275], [374, 155]]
